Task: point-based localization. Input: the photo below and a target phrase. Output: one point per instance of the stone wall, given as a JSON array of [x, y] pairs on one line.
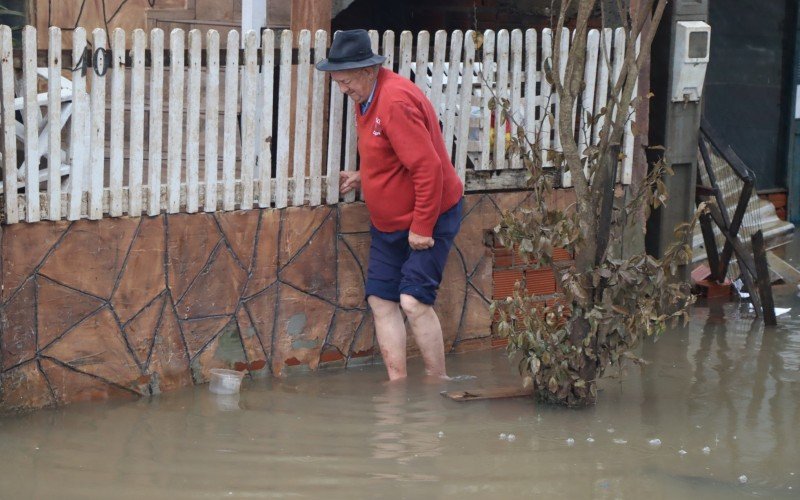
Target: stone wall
[[130, 307]]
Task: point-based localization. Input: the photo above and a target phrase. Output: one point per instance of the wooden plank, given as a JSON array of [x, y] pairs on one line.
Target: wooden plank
[[54, 119], [601, 90], [406, 42], [546, 97], [156, 128], [334, 144], [388, 49], [789, 274], [301, 117], [265, 129], [31, 113], [489, 393], [487, 84], [421, 62], [317, 120], [249, 87], [465, 105], [586, 109], [193, 122], [628, 139], [78, 144], [117, 122], [439, 52], [136, 161], [517, 113], [563, 49], [212, 121], [9, 126], [616, 70], [762, 278], [456, 43], [230, 122], [284, 121], [175, 126], [531, 99], [97, 141], [503, 93]]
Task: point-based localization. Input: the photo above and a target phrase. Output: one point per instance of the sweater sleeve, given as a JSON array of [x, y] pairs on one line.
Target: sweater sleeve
[[411, 142]]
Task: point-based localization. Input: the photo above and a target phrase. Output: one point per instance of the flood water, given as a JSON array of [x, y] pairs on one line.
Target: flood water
[[725, 384]]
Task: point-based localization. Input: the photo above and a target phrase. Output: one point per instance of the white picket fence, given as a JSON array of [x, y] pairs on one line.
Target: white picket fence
[[84, 151]]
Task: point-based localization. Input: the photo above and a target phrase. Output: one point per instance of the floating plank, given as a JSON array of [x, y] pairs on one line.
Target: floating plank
[[489, 393]]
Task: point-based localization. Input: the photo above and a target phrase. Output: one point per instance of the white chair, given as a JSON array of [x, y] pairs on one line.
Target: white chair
[[43, 127]]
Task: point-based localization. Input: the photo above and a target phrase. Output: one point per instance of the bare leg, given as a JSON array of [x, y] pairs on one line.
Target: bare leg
[[391, 333], [427, 332]]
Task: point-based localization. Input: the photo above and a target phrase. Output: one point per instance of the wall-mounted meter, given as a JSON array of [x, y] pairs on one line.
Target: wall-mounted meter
[[692, 46]]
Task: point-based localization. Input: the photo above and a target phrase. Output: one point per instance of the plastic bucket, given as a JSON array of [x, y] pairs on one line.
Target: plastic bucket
[[225, 381]]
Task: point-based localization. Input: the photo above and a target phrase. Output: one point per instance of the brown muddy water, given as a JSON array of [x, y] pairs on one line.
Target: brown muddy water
[[722, 397]]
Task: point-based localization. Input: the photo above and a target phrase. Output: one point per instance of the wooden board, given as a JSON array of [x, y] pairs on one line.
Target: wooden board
[[489, 393]]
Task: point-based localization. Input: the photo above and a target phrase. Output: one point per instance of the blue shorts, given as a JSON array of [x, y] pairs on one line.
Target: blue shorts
[[394, 268]]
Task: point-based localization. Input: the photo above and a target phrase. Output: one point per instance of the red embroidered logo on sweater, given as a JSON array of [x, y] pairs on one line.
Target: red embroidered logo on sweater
[[377, 128]]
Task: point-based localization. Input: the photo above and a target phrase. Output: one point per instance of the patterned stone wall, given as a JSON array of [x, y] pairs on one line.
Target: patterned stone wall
[[129, 307]]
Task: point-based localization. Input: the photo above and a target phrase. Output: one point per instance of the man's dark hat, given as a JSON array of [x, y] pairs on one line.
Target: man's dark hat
[[350, 50]]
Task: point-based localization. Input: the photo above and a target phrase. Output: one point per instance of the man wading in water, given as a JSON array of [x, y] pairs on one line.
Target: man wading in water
[[413, 196]]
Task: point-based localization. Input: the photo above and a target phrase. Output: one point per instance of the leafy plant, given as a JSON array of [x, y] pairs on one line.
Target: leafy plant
[[607, 303]]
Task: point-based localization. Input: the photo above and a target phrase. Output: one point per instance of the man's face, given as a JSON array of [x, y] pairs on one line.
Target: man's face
[[356, 83]]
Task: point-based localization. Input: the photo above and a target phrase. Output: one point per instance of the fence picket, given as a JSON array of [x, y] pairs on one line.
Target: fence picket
[[77, 147], [627, 144], [284, 121], [531, 99], [211, 147], [465, 105], [301, 117], [546, 98], [388, 49], [586, 109], [31, 114], [487, 80], [350, 149], [9, 126], [334, 144], [54, 121], [193, 122], [502, 95], [137, 125], [601, 91], [421, 62], [249, 87], [265, 129], [317, 117], [456, 42], [437, 79], [175, 128], [230, 121], [156, 118], [406, 41], [98, 125], [117, 143], [517, 113]]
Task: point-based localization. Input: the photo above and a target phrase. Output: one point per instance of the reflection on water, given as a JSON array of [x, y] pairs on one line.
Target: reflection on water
[[724, 384]]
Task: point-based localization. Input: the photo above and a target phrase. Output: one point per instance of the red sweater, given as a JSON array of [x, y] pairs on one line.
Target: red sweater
[[406, 173]]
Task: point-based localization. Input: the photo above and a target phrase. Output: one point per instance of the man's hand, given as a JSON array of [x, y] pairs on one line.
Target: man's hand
[[417, 242], [349, 180]]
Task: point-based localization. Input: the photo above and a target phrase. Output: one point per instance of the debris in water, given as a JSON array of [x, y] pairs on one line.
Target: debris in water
[[511, 437], [706, 450], [570, 441], [655, 442], [610, 430], [742, 479], [681, 452], [503, 436], [590, 439], [620, 441], [441, 434]]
